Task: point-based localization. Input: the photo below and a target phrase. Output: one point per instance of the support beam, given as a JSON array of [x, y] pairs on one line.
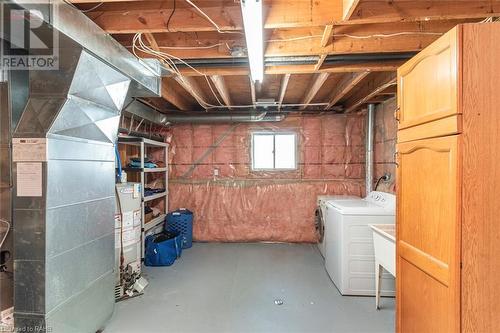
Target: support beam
[[284, 84], [298, 69], [172, 95], [221, 87], [346, 84], [318, 81], [368, 91]]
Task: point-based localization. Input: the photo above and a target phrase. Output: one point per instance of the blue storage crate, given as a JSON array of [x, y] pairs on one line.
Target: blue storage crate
[[181, 221]]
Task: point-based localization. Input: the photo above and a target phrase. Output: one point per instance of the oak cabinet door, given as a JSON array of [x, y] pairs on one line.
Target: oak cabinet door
[[428, 236], [427, 84]]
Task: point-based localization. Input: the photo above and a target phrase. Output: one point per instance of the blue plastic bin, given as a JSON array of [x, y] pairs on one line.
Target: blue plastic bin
[[181, 221], [162, 252]]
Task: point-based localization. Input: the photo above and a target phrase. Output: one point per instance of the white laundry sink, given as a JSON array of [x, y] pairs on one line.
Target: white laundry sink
[[384, 243]]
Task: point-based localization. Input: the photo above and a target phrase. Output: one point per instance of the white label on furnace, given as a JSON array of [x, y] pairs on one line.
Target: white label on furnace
[[128, 220], [137, 218], [29, 149], [29, 179]]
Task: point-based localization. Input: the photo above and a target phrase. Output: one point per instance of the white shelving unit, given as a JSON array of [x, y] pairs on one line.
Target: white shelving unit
[[144, 146]]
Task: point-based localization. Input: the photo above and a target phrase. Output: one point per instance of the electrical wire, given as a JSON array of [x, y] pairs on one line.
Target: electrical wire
[[93, 8], [389, 35], [171, 14], [6, 232], [212, 21], [84, 10]]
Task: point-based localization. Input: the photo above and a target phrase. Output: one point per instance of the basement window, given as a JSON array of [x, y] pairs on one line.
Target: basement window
[[274, 151]]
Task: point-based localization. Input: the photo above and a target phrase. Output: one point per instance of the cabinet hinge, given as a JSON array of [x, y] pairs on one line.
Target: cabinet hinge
[[396, 159]]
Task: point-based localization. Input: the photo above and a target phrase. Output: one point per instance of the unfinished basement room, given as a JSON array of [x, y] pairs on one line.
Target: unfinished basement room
[[249, 166]]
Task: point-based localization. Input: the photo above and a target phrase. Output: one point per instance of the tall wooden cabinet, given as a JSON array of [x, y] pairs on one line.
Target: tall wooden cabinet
[[448, 184]]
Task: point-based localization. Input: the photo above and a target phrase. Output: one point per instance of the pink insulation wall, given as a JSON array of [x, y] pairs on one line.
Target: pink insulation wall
[[235, 204], [385, 144]]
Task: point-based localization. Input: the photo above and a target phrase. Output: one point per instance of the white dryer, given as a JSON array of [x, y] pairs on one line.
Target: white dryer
[[349, 255], [320, 217]]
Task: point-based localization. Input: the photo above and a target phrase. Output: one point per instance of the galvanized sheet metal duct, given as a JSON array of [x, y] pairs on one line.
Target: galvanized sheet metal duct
[[64, 240], [144, 111], [77, 27], [370, 123]]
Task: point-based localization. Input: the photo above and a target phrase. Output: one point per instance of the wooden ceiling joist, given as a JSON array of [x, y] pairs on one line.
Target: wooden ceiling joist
[[193, 88], [279, 14], [283, 86], [348, 39], [171, 94], [221, 87], [252, 90], [369, 11], [346, 84], [376, 84], [318, 81]]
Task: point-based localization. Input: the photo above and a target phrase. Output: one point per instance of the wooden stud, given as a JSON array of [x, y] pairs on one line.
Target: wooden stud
[[319, 79], [346, 84]]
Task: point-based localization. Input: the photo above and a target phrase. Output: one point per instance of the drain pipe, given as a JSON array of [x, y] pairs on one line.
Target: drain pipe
[[370, 123]]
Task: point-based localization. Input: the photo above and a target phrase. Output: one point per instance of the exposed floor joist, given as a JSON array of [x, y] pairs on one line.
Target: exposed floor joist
[[193, 88], [345, 86], [279, 14], [369, 11], [170, 93], [221, 87], [370, 89], [318, 81]]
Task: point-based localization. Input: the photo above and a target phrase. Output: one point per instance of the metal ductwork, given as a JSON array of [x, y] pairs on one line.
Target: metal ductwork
[[64, 235], [370, 124], [66, 125], [77, 27], [144, 111]]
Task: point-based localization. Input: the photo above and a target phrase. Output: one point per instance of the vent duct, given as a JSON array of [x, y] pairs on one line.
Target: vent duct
[[144, 111], [64, 223]]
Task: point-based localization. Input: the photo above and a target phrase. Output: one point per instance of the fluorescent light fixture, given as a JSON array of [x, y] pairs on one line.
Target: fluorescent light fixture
[[252, 21]]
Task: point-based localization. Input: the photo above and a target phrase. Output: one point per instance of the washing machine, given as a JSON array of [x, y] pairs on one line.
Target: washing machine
[[320, 215], [349, 254]]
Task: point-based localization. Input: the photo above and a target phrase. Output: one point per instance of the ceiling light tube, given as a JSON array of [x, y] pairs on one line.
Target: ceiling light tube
[[252, 21]]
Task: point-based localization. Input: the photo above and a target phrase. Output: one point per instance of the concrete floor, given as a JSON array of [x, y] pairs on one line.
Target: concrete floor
[[232, 288]]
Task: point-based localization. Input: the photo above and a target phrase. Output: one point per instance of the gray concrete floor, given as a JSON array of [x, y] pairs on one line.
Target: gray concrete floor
[[232, 288]]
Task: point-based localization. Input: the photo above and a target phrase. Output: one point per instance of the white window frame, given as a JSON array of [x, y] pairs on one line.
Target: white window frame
[[274, 134]]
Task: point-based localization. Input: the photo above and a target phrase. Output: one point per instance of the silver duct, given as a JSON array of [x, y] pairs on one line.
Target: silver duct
[[64, 237], [370, 117], [144, 111], [77, 27]]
